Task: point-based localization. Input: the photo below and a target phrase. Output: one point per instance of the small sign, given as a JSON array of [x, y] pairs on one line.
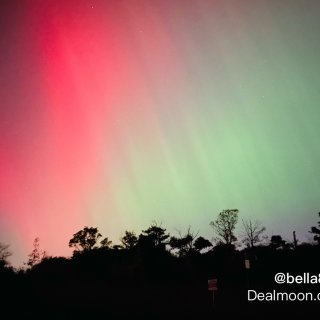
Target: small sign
[[212, 284], [247, 263]]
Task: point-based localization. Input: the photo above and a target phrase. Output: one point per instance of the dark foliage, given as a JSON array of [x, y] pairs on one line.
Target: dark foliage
[[142, 278], [316, 232]]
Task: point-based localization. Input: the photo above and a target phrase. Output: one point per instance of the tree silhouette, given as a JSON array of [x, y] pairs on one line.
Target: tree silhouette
[[37, 255], [253, 232], [105, 243], [129, 240], [201, 243], [4, 254], [95, 282], [224, 226], [85, 239], [316, 232], [183, 244], [277, 242], [156, 235]]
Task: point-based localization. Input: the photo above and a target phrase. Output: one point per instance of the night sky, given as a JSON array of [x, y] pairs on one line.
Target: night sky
[[117, 113]]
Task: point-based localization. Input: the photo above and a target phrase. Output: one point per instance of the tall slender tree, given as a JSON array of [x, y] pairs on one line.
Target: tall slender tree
[[37, 255], [224, 226], [253, 232]]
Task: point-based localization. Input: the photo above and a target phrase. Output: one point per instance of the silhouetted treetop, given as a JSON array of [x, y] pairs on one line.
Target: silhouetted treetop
[[37, 255], [105, 243], [4, 254], [183, 243], [316, 232], [85, 239], [156, 234], [224, 226], [201, 243], [276, 242], [129, 240], [253, 232]]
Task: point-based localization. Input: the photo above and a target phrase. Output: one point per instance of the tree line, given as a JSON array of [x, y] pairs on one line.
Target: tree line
[[154, 273], [156, 236]]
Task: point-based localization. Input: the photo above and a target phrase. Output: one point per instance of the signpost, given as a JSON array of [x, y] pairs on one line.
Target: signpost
[[213, 286], [247, 267]]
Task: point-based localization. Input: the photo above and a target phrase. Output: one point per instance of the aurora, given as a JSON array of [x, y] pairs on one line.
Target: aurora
[[118, 113]]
